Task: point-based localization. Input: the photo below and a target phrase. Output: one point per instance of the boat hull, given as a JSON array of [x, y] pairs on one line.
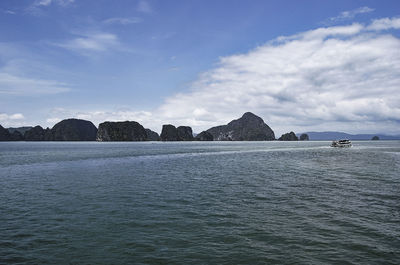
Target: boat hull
[[341, 143]]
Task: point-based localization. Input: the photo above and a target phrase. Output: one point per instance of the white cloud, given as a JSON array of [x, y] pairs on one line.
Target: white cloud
[[144, 7], [16, 116], [42, 2], [38, 6], [123, 20], [97, 42], [10, 12], [16, 85], [49, 2], [302, 82], [384, 24], [53, 120], [322, 33], [336, 78], [8, 120], [345, 15], [64, 2]]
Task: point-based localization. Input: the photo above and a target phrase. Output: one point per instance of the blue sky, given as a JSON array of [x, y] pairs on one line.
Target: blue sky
[[300, 65]]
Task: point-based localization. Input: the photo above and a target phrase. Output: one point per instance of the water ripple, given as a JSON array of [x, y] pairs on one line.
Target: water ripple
[[180, 203]]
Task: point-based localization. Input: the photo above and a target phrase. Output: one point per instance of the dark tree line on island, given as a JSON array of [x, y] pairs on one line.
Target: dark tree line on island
[[247, 128]]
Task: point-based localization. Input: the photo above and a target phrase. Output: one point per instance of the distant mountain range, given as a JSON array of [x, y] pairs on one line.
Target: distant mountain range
[[341, 135]]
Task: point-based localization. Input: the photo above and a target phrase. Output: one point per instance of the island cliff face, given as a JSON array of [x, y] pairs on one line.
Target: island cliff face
[[288, 137], [249, 127], [304, 137], [152, 135], [16, 136], [4, 134], [171, 133], [121, 131], [74, 130], [37, 133], [204, 136], [185, 133], [65, 130], [7, 135]]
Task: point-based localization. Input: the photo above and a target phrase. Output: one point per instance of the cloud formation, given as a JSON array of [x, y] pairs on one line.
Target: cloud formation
[[385, 24], [16, 85], [10, 12], [15, 116], [91, 42], [23, 74], [38, 3], [343, 78], [123, 20], [36, 8], [336, 78], [11, 119], [349, 14]]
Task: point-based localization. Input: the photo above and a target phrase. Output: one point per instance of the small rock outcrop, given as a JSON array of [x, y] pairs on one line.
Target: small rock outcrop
[[152, 135], [74, 130], [204, 136], [304, 137], [169, 133], [4, 134], [121, 131], [375, 138], [185, 133], [288, 137], [249, 127]]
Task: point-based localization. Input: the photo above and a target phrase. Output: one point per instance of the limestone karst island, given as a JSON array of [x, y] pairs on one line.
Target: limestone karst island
[[249, 127]]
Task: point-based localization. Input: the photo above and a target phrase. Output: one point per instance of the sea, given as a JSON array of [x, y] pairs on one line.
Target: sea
[[199, 203]]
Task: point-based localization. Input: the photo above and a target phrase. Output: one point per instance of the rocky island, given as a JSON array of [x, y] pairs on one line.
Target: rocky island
[[65, 130], [4, 134], [74, 130], [171, 133], [204, 136], [121, 131], [304, 137], [249, 127], [152, 136], [288, 137], [37, 133]]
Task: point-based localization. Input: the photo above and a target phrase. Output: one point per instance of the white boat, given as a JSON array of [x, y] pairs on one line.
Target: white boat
[[341, 143]]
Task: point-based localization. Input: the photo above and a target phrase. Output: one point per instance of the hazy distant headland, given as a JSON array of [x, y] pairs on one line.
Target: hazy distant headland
[[249, 127], [325, 136]]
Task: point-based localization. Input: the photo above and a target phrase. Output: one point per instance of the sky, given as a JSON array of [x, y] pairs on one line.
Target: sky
[[300, 65]]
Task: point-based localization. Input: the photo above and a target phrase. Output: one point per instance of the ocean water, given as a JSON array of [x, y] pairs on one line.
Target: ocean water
[[199, 203]]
